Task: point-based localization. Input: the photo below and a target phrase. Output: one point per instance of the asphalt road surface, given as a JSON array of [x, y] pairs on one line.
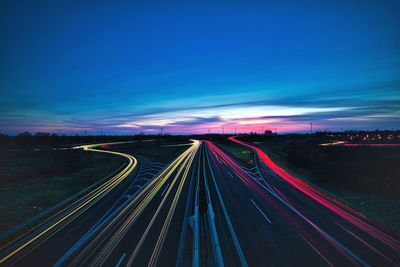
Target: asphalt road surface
[[203, 209]]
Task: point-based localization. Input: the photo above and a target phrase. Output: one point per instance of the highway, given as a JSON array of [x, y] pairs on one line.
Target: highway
[[280, 221], [205, 208]]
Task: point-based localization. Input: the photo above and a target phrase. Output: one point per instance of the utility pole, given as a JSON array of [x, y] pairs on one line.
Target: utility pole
[[161, 130], [235, 131], [85, 132], [223, 130], [101, 132], [209, 131], [311, 128]]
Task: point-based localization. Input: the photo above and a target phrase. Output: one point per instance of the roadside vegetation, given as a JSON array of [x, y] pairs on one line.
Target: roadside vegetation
[[40, 140], [34, 177], [33, 181], [157, 150], [240, 152]]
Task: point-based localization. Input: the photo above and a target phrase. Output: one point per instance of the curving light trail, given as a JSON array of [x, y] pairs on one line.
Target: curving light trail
[[128, 216], [68, 214], [263, 188], [321, 198]]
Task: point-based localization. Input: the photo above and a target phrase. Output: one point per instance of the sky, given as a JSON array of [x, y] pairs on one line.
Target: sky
[[121, 67]]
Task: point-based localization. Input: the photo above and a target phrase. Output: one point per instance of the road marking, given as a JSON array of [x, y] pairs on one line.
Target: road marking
[[226, 215], [184, 159], [196, 239], [263, 214], [230, 174], [365, 243], [211, 219], [161, 239], [141, 200], [186, 223], [120, 260], [165, 189], [318, 252]]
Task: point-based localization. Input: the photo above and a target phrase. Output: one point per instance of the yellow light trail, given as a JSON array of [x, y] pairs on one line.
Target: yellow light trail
[[161, 238], [185, 166], [144, 198], [97, 193]]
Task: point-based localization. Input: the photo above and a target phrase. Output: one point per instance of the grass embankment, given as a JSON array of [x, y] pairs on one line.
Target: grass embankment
[[157, 151], [365, 178], [33, 181], [240, 152]]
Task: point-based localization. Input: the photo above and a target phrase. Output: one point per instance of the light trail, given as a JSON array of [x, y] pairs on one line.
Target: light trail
[[83, 203], [163, 192], [140, 200], [251, 182], [232, 231], [196, 221], [139, 203], [318, 252], [219, 261], [347, 144], [160, 206], [120, 260], [334, 206], [156, 207], [167, 222], [261, 212], [186, 223]]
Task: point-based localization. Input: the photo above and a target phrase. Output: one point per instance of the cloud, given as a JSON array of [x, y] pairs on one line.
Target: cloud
[[242, 111]]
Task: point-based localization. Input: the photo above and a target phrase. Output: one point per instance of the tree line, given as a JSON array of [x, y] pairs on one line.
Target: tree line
[[27, 140]]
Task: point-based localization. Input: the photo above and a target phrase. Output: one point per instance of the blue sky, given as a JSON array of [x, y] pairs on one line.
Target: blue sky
[[187, 67]]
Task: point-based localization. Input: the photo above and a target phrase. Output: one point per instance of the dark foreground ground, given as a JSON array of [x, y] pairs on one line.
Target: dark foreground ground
[[182, 205], [366, 178], [34, 180]]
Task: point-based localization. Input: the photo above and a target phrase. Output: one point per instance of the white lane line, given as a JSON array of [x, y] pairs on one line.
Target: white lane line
[[262, 213], [318, 252], [165, 189], [120, 260], [228, 220], [230, 174]]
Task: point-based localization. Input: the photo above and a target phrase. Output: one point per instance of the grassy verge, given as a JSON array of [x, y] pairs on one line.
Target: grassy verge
[[157, 151], [27, 188], [33, 181], [239, 151]]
